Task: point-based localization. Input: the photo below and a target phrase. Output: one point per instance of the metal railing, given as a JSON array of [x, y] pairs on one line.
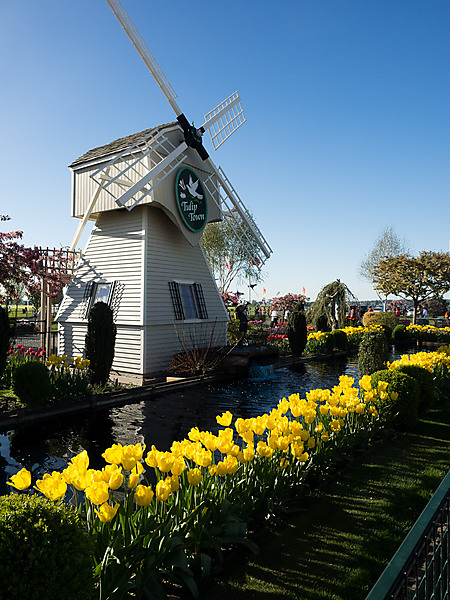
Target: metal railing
[[31, 333], [420, 568]]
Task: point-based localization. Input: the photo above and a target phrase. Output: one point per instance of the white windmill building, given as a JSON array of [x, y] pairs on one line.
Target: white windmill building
[[151, 195]]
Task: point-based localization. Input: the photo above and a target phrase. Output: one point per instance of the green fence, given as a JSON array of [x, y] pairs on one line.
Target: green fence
[[420, 568]]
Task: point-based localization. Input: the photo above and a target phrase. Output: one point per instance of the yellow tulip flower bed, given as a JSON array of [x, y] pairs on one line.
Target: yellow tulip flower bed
[[427, 360], [166, 514], [161, 516]]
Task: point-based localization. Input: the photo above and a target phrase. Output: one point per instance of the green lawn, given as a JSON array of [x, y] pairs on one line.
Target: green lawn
[[336, 548]]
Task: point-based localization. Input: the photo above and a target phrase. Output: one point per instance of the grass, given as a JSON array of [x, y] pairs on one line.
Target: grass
[[344, 536]]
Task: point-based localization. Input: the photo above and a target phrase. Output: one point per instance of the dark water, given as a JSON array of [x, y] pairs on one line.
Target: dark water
[[48, 446]]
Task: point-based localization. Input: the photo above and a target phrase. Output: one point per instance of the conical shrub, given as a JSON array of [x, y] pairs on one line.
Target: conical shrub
[[100, 341]]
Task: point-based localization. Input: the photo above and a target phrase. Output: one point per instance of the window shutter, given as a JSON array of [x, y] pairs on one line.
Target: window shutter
[[176, 301], [86, 300], [201, 301]]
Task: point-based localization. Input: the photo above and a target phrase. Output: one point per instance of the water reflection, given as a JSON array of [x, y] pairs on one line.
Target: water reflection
[[48, 446]]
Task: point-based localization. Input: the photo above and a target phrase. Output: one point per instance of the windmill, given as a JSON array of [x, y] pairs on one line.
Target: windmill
[[136, 173]]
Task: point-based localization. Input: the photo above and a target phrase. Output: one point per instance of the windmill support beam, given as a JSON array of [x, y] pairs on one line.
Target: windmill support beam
[[84, 220]]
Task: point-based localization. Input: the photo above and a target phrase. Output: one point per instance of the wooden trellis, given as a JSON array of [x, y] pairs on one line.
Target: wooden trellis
[[53, 263]]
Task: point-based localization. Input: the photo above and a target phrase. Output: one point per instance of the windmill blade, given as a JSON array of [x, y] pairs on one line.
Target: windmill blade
[[144, 53], [224, 120], [134, 173], [226, 197]]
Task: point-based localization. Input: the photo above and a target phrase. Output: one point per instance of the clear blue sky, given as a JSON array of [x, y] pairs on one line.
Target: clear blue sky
[[347, 105]]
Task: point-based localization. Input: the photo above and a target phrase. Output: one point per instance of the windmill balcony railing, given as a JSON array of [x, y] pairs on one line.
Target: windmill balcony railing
[[420, 568]]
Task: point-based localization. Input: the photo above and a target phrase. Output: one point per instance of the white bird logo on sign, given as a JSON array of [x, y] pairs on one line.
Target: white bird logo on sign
[[192, 188]]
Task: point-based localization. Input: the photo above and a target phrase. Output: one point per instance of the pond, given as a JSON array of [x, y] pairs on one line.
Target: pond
[[48, 446]]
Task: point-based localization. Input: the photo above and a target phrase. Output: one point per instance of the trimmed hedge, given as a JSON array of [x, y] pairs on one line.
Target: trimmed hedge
[[44, 551], [372, 353], [339, 339], [424, 380], [403, 411], [31, 382]]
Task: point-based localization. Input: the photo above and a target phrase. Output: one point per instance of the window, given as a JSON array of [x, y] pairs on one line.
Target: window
[[98, 292], [187, 300]]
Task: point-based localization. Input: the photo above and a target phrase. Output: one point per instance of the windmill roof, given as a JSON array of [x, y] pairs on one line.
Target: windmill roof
[[117, 145]]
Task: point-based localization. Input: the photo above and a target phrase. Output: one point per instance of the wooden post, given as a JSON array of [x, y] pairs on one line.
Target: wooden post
[[48, 320], [43, 312]]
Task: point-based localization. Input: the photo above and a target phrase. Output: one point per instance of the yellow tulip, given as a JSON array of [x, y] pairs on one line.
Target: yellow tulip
[[311, 443], [143, 495], [131, 455], [163, 490], [113, 454], [97, 492], [178, 466], [107, 512], [335, 426], [225, 419], [194, 476], [52, 486], [21, 480], [174, 482], [115, 480], [133, 480], [81, 461]]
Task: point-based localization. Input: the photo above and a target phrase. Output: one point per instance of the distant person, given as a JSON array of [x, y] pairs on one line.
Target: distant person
[[273, 318], [424, 312], [243, 322]]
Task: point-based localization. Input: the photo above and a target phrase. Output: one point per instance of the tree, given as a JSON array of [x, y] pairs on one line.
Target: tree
[[330, 306], [288, 302], [226, 246], [296, 330], [27, 268], [15, 262], [415, 278], [387, 245]]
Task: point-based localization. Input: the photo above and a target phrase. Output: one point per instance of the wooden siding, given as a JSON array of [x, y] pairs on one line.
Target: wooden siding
[[114, 253], [127, 351], [142, 251], [169, 257]]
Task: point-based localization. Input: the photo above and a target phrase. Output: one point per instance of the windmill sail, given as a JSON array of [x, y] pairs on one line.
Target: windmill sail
[[224, 194]]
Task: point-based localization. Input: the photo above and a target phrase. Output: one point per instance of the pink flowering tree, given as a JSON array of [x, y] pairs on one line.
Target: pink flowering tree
[[26, 267], [288, 302]]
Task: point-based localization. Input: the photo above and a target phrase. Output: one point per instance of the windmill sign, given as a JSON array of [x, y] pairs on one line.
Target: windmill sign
[[191, 199]]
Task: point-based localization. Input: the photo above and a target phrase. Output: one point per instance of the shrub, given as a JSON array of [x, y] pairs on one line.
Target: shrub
[[385, 319], [296, 329], [44, 551], [4, 338], [31, 382], [424, 380], [373, 352], [400, 334], [100, 341], [339, 339], [402, 411]]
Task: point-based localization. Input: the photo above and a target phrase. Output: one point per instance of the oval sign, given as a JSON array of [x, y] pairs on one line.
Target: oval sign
[[191, 199]]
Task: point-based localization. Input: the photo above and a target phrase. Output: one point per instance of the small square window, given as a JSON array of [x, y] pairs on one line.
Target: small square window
[[101, 292]]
